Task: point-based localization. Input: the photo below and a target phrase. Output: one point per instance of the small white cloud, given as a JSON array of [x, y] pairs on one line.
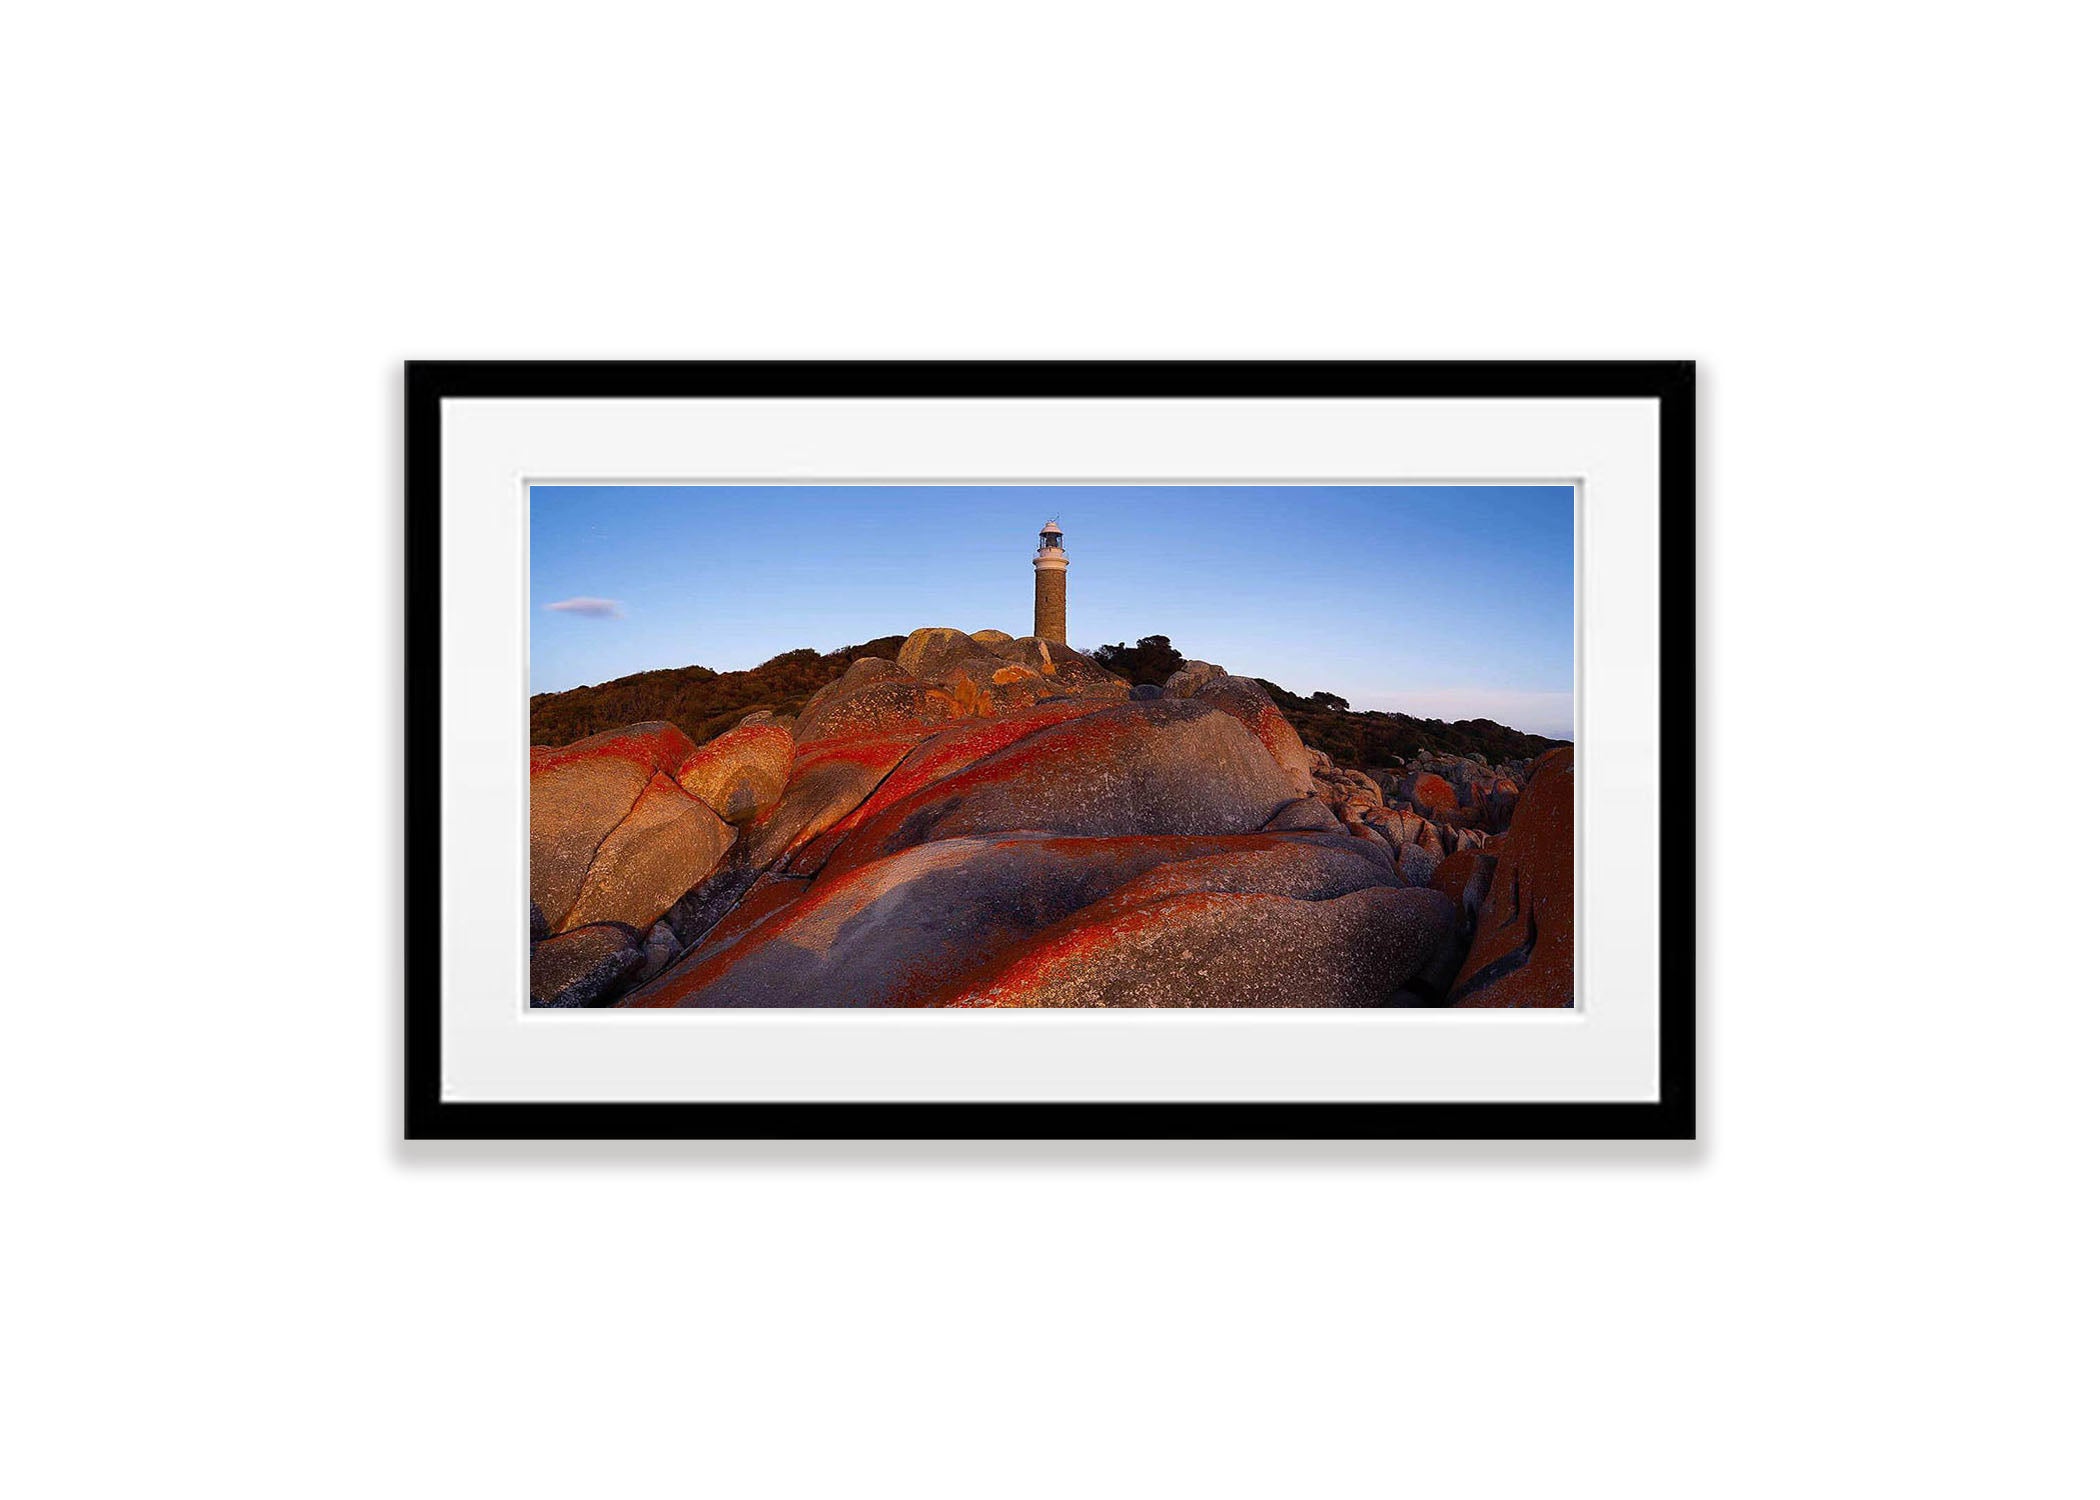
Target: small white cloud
[[589, 608]]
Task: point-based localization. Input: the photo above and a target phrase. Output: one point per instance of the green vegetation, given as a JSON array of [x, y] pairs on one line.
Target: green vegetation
[[704, 703], [1152, 660]]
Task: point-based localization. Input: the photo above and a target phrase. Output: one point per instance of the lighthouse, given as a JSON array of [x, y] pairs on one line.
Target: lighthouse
[[1050, 565]]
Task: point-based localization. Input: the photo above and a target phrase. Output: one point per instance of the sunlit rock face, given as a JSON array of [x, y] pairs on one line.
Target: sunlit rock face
[[667, 843], [740, 774], [580, 793], [997, 822]]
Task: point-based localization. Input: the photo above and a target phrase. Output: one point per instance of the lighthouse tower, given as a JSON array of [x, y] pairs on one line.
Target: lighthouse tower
[[1050, 565]]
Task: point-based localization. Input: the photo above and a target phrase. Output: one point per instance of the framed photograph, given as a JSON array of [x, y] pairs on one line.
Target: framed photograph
[[1132, 750]]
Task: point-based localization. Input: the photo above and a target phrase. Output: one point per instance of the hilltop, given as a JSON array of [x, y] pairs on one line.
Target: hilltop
[[699, 700], [703, 703]]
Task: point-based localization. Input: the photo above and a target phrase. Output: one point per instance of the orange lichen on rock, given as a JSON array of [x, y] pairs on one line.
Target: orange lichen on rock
[[1169, 767], [969, 701], [938, 756], [903, 930], [649, 747], [1432, 796], [1523, 951], [990, 821], [829, 778]]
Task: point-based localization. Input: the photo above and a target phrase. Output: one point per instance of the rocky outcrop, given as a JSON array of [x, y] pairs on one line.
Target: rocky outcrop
[[935, 650], [872, 697], [996, 821], [829, 778], [1462, 790], [1245, 700], [741, 774], [1192, 678], [1066, 672], [666, 844], [1430, 795], [1523, 951], [1171, 767], [579, 794], [903, 929], [933, 759]]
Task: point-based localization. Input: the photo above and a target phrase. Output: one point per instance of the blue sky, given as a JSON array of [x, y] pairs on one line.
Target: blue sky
[[1443, 602]]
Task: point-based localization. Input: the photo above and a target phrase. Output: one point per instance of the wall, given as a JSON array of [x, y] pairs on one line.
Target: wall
[[230, 224]]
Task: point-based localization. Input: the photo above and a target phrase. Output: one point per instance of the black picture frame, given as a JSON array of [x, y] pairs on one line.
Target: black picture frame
[[430, 383]]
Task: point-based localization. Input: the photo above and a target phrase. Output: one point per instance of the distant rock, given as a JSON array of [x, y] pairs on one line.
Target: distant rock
[[584, 966], [1191, 677], [1358, 787], [1391, 825], [1499, 804], [1431, 796], [1145, 692]]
